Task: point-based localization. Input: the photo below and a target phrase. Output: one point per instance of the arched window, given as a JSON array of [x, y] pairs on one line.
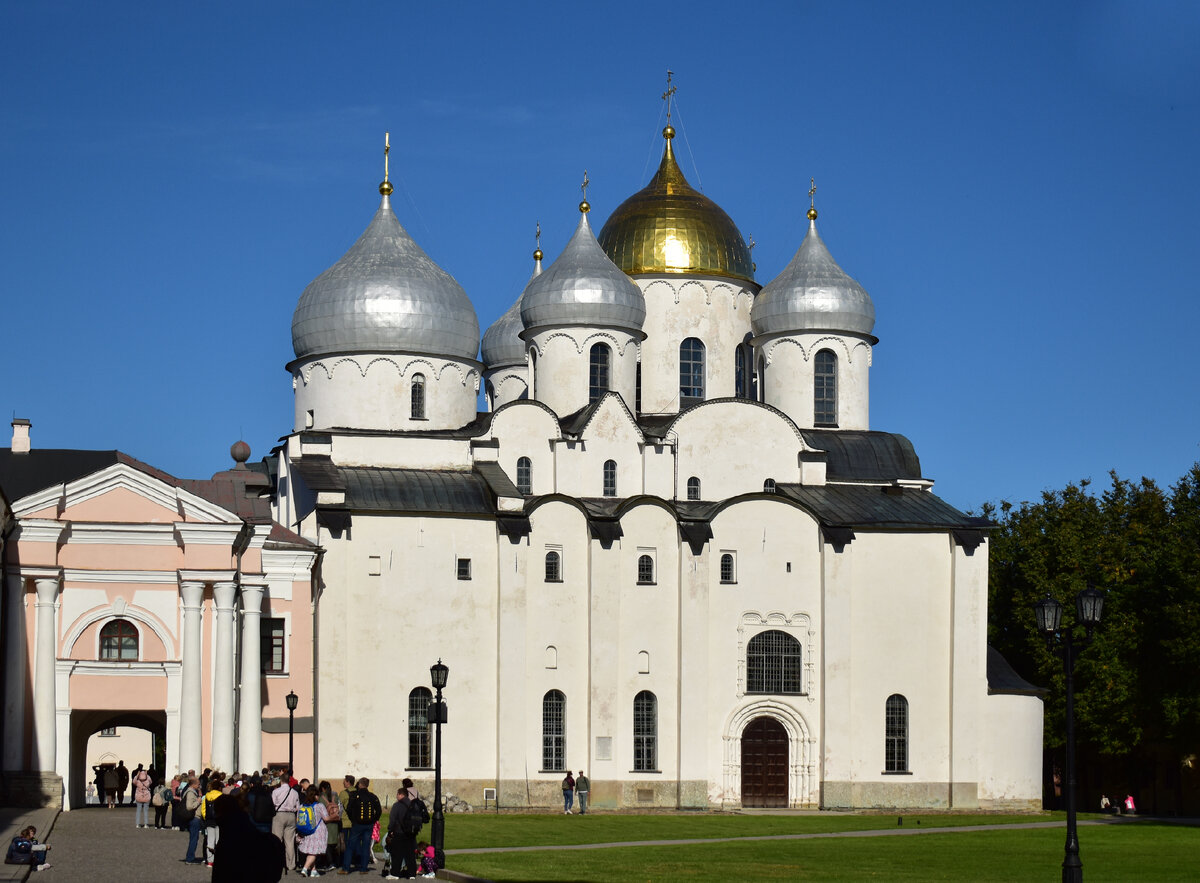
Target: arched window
[[693, 488], [740, 372], [825, 389], [553, 567], [418, 397], [645, 731], [610, 478], [601, 358], [645, 570], [554, 731], [525, 475], [637, 390], [691, 372], [774, 663], [418, 728], [895, 747], [119, 641], [769, 486], [728, 572], [761, 379]]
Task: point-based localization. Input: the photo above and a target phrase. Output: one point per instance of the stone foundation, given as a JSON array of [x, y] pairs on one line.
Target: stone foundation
[[19, 788]]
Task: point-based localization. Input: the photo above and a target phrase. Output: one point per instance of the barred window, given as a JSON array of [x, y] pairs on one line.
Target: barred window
[[610, 478], [728, 571], [774, 663], [525, 475], [693, 488], [271, 645], [825, 389], [769, 486], [418, 728], [645, 731], [691, 372], [645, 570], [895, 747], [554, 731], [418, 397], [119, 641], [601, 357], [464, 568], [553, 567]]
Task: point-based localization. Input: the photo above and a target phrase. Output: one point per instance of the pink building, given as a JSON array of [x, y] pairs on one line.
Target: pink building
[[134, 598]]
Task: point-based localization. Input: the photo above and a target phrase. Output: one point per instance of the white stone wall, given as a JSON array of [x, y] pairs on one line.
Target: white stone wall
[[374, 391], [561, 365], [1012, 753], [790, 374], [509, 383], [713, 309]]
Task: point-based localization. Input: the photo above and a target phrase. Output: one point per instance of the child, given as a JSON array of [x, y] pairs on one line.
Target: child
[[427, 857]]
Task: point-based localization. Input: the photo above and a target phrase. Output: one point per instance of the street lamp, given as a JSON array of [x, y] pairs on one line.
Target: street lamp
[[437, 716], [1089, 605], [292, 701]]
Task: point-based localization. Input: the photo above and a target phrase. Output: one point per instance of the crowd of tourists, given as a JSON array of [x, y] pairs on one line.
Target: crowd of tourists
[[258, 826]]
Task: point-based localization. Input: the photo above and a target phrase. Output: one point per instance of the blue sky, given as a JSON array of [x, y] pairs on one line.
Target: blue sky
[[1015, 184]]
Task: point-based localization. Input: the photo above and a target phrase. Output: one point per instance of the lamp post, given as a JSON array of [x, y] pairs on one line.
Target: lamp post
[[292, 701], [1089, 605], [437, 716]]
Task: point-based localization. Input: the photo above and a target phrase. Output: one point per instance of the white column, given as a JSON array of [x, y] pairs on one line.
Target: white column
[[250, 709], [224, 594], [44, 713], [15, 670], [190, 743]]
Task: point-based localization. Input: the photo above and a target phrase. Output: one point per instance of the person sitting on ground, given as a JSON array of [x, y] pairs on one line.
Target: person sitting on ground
[[25, 850], [428, 856]]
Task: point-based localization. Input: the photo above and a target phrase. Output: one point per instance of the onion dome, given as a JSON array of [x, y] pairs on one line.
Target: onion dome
[[668, 227], [812, 293], [385, 295], [583, 287], [502, 344]]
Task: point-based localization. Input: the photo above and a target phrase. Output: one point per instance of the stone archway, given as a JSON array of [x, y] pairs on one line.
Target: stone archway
[[799, 754], [86, 722], [765, 763]]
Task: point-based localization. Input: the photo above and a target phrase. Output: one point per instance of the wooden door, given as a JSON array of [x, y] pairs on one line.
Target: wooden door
[[764, 763]]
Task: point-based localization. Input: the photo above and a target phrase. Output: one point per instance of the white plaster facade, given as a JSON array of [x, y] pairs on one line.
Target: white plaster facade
[[655, 552]]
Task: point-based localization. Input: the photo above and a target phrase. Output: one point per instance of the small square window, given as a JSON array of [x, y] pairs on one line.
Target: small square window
[[108, 731], [464, 568]]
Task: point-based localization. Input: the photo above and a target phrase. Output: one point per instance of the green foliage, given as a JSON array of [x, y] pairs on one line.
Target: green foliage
[[1136, 684]]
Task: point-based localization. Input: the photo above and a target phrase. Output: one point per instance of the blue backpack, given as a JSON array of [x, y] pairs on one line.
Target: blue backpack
[[20, 852], [306, 819]]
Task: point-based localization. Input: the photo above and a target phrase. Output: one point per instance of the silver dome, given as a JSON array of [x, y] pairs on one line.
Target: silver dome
[[583, 287], [385, 295], [502, 344], [812, 293]]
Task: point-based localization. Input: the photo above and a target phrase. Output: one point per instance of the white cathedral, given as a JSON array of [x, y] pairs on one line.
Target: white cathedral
[[672, 552]]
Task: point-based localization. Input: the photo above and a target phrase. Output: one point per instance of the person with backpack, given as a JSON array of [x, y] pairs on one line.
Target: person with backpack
[[160, 799], [310, 825], [364, 811], [141, 797], [212, 833], [262, 809], [568, 786], [404, 823]]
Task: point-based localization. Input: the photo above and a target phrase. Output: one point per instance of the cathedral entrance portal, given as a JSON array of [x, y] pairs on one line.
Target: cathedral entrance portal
[[764, 763]]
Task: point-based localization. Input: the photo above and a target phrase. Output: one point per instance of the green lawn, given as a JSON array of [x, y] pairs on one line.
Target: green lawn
[[1139, 851]]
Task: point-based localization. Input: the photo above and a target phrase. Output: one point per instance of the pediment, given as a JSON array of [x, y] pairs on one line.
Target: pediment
[[122, 494], [611, 421]]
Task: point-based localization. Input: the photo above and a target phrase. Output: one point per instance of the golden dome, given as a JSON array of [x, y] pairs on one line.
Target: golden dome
[[668, 227]]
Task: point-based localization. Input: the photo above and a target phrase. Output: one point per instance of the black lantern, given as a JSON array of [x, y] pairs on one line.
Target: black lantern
[[292, 701], [438, 673], [1089, 605]]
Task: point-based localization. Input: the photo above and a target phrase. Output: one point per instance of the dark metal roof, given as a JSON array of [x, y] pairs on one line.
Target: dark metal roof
[[864, 455], [416, 490], [1003, 678], [497, 480], [873, 506], [25, 474]]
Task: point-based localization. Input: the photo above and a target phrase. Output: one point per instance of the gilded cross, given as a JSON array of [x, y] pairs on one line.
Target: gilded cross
[[386, 147], [812, 189], [666, 96], [584, 186]]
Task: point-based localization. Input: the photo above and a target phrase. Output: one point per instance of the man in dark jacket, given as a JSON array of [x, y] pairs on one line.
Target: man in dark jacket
[[364, 811], [404, 838]]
